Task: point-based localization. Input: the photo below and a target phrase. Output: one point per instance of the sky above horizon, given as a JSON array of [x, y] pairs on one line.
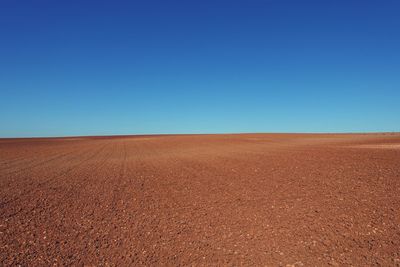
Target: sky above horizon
[[150, 67]]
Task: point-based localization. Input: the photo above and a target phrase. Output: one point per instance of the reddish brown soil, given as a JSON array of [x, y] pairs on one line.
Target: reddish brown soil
[[249, 199]]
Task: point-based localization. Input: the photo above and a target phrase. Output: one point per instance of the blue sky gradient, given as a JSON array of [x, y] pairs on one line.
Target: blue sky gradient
[[148, 67]]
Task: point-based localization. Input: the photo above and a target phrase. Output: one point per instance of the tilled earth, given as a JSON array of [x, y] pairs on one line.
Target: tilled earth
[[248, 199]]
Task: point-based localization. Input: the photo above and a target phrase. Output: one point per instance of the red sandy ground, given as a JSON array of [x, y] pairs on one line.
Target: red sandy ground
[[248, 199]]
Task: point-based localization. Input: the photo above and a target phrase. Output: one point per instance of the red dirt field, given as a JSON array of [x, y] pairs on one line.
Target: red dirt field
[[246, 199]]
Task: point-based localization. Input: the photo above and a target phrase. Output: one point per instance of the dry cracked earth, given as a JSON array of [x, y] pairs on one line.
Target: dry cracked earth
[[203, 200]]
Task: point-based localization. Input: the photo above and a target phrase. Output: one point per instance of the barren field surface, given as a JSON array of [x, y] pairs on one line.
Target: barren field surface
[[246, 199]]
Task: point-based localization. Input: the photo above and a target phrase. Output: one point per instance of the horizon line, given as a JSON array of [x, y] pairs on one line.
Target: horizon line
[[175, 134]]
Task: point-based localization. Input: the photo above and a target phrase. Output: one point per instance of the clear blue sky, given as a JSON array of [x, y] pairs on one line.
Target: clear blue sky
[[135, 67]]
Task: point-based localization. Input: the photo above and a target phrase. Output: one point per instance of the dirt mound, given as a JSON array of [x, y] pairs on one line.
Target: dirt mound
[[381, 146]]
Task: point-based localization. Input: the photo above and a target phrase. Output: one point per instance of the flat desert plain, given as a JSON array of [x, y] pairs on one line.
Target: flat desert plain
[[244, 199]]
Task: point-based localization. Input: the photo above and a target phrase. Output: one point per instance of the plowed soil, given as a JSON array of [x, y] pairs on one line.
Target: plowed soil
[[247, 199]]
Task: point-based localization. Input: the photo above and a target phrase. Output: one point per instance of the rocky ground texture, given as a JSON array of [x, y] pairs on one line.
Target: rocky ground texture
[[247, 199]]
